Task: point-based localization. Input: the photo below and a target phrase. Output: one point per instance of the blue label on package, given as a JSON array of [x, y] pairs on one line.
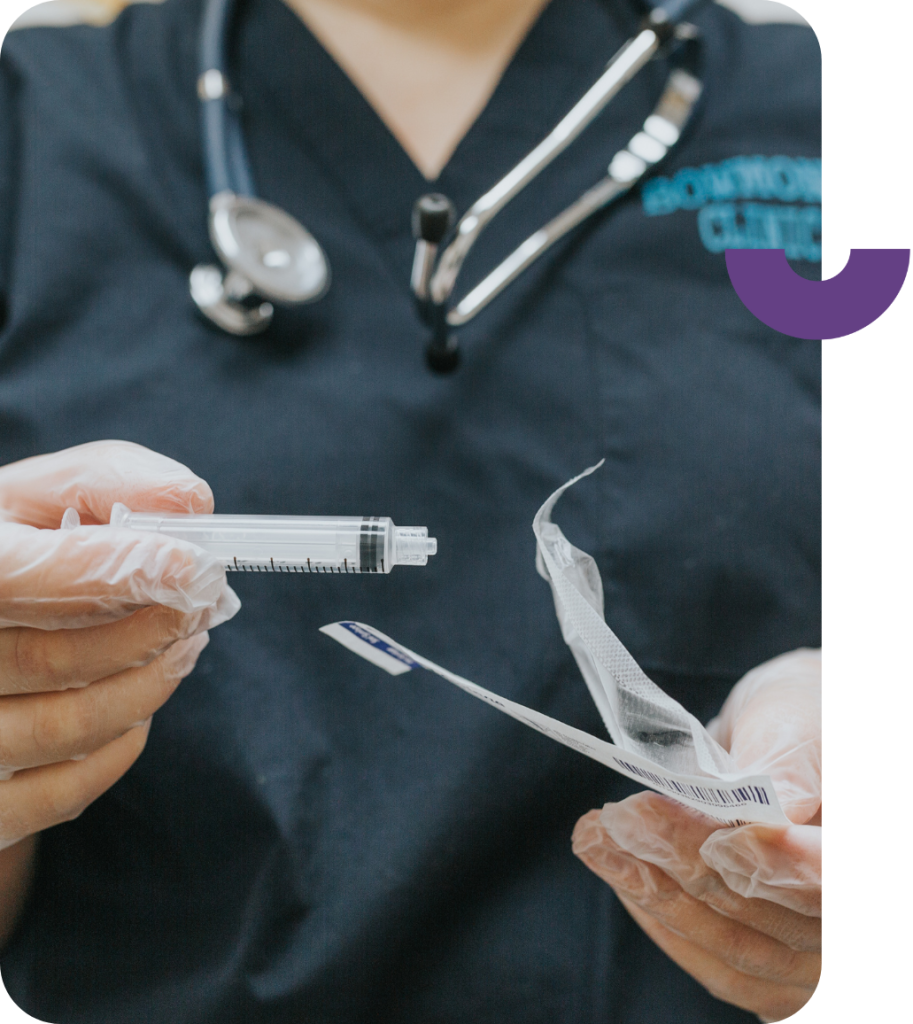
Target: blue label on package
[[372, 638]]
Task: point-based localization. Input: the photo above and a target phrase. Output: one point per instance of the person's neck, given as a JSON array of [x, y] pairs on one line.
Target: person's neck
[[428, 67]]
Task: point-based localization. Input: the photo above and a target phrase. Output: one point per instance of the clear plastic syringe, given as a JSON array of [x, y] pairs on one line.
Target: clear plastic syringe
[[292, 543]]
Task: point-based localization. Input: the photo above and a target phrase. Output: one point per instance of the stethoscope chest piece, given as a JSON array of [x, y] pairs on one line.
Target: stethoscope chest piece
[[267, 253]]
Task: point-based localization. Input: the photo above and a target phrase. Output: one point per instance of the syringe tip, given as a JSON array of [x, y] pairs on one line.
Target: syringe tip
[[412, 545]]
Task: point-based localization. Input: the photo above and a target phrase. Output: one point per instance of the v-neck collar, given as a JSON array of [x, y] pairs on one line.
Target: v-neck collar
[[281, 63]]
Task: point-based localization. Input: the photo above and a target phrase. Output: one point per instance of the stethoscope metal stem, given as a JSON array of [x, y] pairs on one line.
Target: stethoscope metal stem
[[660, 131], [431, 219], [620, 70], [534, 246]]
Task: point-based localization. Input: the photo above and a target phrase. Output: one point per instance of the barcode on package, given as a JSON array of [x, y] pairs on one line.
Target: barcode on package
[[738, 796]]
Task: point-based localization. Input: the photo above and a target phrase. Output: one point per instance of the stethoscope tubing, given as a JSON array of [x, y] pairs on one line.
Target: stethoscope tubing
[[225, 156], [231, 188]]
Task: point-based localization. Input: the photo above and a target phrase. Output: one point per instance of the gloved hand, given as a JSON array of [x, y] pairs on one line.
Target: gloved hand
[[737, 908], [97, 625]]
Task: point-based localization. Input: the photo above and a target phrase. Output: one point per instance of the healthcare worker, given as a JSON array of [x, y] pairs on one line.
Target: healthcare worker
[[289, 836]]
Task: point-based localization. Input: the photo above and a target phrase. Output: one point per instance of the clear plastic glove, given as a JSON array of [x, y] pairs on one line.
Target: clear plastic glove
[[83, 576], [738, 908], [97, 625]]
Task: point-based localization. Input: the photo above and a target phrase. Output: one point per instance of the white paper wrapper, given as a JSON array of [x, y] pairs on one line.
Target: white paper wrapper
[[655, 740]]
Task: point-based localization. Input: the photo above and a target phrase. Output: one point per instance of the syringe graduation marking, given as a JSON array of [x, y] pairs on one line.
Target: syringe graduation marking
[[235, 566]]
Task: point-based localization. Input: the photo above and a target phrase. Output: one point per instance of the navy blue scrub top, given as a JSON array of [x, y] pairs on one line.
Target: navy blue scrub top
[[306, 839]]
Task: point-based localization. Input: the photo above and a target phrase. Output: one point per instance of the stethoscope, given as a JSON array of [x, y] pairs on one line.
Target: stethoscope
[[268, 256]]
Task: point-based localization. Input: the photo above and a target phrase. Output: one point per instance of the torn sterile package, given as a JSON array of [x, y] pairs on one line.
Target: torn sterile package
[[655, 740]]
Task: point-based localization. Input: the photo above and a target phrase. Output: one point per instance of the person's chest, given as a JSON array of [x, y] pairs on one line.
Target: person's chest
[[625, 341]]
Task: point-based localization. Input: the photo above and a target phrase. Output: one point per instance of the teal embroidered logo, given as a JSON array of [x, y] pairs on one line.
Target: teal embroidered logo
[[747, 202]]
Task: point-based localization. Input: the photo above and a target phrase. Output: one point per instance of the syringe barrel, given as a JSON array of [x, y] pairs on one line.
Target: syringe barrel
[[338, 544]]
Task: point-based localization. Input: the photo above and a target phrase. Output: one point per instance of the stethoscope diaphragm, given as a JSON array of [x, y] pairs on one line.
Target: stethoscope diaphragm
[[268, 254], [267, 246]]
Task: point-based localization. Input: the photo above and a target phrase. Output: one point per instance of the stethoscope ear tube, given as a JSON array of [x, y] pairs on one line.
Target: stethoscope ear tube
[[435, 271]]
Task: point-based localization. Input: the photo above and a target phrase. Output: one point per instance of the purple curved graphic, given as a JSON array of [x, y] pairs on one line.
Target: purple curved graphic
[[780, 298]]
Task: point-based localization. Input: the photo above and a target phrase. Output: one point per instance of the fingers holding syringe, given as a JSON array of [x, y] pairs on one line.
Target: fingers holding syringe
[[64, 579], [91, 477], [46, 728], [45, 661]]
